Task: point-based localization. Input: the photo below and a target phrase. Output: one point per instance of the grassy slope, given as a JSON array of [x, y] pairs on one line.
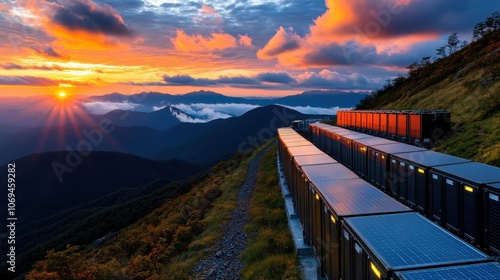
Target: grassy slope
[[467, 84], [169, 242], [270, 251]]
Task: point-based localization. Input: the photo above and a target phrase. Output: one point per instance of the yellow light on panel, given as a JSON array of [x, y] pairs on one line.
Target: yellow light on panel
[[317, 196], [333, 219], [420, 170], [383, 157], [375, 270], [469, 189]]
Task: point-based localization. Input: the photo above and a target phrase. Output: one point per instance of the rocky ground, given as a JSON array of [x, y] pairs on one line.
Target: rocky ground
[[224, 262]]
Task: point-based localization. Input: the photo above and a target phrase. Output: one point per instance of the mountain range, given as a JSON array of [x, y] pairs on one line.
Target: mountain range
[[192, 142], [316, 98]]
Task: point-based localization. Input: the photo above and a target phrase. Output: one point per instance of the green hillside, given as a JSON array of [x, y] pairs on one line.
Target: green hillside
[[465, 83], [170, 240]]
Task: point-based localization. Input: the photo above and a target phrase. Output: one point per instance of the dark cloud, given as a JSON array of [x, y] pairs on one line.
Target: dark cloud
[[26, 81], [324, 79], [380, 19], [276, 77], [46, 51], [237, 80], [14, 66], [334, 80], [187, 80], [350, 53], [261, 21], [121, 5], [87, 16]]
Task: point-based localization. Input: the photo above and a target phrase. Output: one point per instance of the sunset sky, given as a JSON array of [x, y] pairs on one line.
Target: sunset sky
[[239, 48]]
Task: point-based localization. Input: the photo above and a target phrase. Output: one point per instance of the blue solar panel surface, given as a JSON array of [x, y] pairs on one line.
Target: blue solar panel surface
[[484, 271], [398, 148], [314, 159], [431, 158], [473, 171], [495, 185], [408, 240], [352, 197], [304, 150], [373, 141], [327, 172]]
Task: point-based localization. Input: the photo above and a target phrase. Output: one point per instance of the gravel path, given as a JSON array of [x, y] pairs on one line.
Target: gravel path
[[225, 262]]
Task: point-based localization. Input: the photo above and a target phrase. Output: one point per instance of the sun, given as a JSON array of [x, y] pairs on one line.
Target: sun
[[61, 94]]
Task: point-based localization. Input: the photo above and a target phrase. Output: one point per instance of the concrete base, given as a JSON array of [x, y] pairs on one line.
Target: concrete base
[[308, 263]]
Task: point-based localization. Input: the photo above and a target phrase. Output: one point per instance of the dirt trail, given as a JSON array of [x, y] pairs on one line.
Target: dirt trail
[[225, 262]]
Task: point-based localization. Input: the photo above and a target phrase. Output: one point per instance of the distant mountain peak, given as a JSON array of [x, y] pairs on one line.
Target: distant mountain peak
[[203, 93]]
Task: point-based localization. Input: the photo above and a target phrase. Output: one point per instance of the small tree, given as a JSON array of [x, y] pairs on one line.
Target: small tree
[[426, 61], [413, 68], [453, 42], [441, 52], [463, 44], [495, 18], [478, 31]]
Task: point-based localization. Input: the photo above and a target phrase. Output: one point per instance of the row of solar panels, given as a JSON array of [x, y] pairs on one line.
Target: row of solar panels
[[359, 232], [458, 194]]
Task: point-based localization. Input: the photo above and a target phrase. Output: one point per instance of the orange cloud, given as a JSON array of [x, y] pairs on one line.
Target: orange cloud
[[80, 24], [245, 40], [213, 42], [285, 40], [350, 31], [208, 10]]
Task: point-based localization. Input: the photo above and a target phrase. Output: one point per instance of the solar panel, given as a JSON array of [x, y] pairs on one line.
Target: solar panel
[[353, 197], [286, 130], [483, 271], [408, 240], [314, 159], [398, 148], [473, 171], [304, 150], [298, 143], [431, 158], [327, 172], [495, 185], [374, 141], [356, 135]]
